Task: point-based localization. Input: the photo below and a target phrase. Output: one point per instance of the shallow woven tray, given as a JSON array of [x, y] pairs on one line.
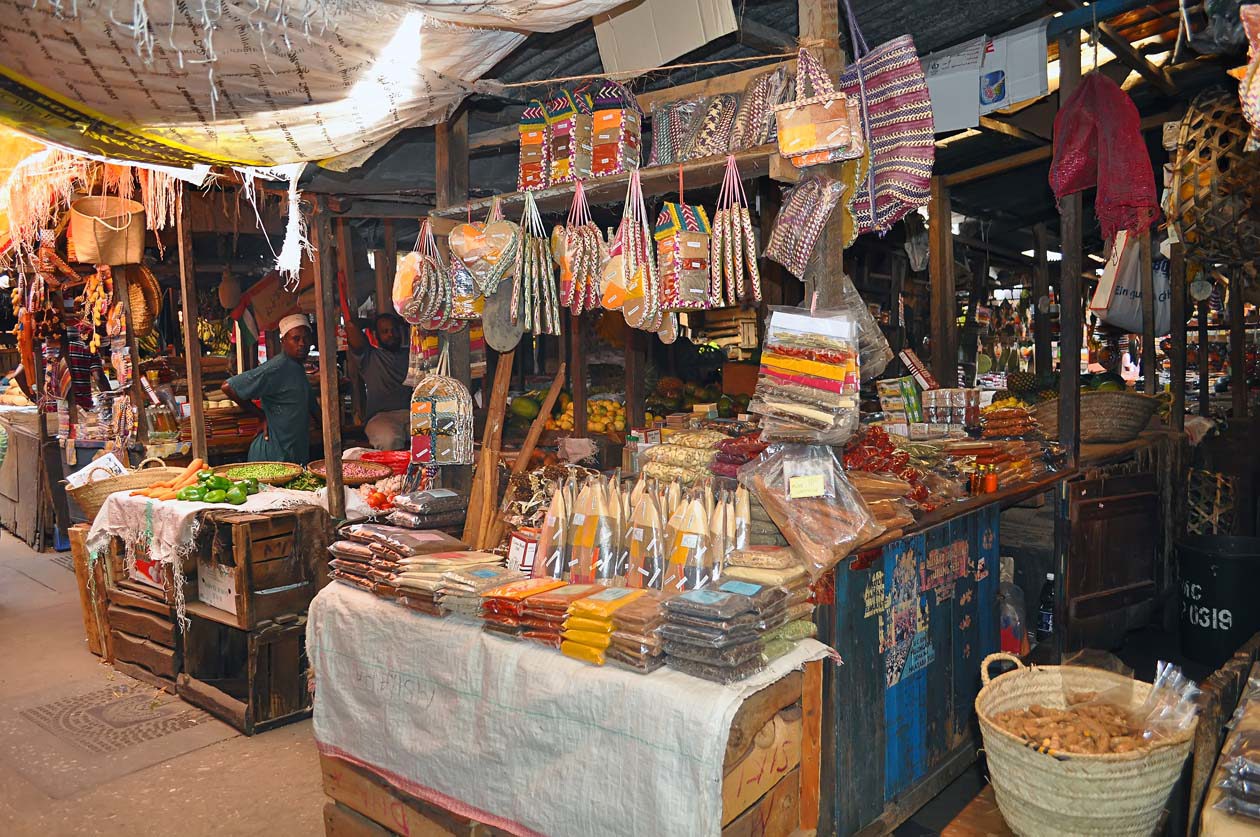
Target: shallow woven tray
[[319, 469], [291, 473]]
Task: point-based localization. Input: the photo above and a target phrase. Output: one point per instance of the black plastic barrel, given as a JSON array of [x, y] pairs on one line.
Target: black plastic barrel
[[1220, 595]]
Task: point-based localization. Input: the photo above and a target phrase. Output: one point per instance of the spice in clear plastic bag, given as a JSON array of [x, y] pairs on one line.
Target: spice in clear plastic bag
[[792, 631], [764, 597], [687, 534], [594, 639], [605, 603], [585, 653], [725, 675], [762, 558], [708, 637], [432, 501], [583, 623], [637, 664], [708, 604], [727, 655]]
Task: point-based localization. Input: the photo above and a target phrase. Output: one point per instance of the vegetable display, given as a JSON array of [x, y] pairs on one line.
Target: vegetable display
[[201, 485], [169, 489]]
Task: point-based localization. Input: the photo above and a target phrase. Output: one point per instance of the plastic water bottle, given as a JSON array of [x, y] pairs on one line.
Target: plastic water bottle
[[1045, 610]]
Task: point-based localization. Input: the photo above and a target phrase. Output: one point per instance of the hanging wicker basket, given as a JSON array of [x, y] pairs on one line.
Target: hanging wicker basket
[[1105, 416], [1062, 795], [107, 229], [1215, 184], [142, 315]]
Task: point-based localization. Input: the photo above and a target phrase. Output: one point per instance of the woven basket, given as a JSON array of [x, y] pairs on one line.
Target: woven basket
[[1215, 182], [141, 314], [291, 472], [91, 495], [1105, 416], [1041, 794]]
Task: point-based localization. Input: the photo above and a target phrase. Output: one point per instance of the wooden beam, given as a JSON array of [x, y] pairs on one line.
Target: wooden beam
[[189, 314], [1177, 351], [820, 24], [1130, 57], [635, 361], [1150, 368], [944, 319], [764, 38], [1044, 363], [345, 267], [1070, 210], [390, 254], [326, 340], [1237, 345], [577, 370], [999, 126]]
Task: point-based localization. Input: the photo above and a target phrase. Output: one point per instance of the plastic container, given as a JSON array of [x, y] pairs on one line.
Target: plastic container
[[1220, 584]]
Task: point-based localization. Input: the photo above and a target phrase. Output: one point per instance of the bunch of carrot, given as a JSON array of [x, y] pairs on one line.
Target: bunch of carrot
[[167, 489]]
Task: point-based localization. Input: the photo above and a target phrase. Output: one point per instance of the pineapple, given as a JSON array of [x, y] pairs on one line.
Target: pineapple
[[1020, 382], [1047, 395]]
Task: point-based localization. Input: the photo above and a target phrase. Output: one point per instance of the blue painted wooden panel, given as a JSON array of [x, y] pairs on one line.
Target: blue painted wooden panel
[[912, 629]]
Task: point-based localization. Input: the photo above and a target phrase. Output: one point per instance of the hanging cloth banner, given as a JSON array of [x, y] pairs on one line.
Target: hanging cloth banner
[[238, 84]]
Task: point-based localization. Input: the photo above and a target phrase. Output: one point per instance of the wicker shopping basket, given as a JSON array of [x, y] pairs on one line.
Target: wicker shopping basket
[[91, 495], [1063, 795], [1105, 416]]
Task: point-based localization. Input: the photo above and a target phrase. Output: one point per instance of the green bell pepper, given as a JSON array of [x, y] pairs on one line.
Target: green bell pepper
[[216, 495], [204, 474], [193, 493], [235, 495], [250, 484], [218, 483]]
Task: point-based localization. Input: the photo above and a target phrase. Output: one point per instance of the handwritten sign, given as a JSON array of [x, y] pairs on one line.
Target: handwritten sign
[[216, 585]]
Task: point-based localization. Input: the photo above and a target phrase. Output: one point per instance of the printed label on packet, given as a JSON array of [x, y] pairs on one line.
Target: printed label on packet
[[691, 541], [707, 597], [800, 488], [612, 594], [484, 573], [744, 588]]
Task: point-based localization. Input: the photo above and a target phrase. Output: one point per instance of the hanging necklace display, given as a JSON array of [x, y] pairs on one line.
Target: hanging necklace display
[[488, 249], [641, 308], [579, 250], [734, 272], [534, 299]]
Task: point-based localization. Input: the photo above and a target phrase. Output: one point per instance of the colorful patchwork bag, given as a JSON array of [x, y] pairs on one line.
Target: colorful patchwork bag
[[568, 118], [682, 256], [617, 126], [533, 171], [821, 126]]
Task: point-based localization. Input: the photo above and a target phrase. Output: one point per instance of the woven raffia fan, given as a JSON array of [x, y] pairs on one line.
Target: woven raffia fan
[[1216, 184]]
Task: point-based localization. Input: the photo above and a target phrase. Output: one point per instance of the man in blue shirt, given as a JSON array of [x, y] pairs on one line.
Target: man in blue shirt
[[287, 398]]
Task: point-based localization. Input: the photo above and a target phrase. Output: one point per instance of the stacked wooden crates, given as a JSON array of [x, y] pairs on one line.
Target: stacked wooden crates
[[245, 644]]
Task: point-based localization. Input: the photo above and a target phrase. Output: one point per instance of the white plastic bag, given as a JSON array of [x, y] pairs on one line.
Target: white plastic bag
[[1118, 300]]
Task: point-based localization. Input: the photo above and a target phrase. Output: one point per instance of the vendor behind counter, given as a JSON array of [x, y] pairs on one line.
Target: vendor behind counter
[[286, 396], [384, 369]]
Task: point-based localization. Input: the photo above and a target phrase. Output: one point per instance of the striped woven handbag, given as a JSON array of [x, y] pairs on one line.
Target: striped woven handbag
[[889, 84]]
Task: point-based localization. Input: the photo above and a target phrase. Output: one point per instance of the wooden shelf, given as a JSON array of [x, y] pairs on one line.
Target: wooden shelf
[[657, 180]]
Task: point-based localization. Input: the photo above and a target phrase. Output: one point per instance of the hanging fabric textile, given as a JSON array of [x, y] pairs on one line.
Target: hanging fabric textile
[[733, 269], [1098, 142], [579, 251], [889, 84], [534, 299]]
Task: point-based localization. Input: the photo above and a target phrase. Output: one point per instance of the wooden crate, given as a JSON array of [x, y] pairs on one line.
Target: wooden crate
[[91, 581], [253, 680], [256, 575], [770, 786]]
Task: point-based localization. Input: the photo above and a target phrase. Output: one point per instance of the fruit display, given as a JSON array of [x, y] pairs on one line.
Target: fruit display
[[13, 395], [602, 416]]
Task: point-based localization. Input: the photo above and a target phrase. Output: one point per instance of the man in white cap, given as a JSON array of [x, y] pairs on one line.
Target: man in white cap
[[287, 398]]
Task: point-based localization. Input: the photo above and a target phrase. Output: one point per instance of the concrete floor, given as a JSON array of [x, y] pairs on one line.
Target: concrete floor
[[265, 785]]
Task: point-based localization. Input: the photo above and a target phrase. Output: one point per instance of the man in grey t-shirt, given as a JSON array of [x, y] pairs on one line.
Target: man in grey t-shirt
[[384, 368]]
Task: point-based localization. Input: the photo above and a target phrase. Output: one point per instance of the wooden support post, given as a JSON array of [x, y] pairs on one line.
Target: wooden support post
[[635, 357], [1237, 345], [941, 272], [133, 352], [1044, 363], [1205, 390], [386, 265], [1177, 351], [326, 341], [1150, 367], [345, 267], [452, 188], [820, 27], [900, 266], [577, 369], [1070, 210], [188, 313]]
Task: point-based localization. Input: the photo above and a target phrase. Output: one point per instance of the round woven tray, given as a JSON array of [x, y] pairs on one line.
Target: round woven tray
[[378, 472], [291, 472], [1105, 416], [91, 495], [1070, 794]]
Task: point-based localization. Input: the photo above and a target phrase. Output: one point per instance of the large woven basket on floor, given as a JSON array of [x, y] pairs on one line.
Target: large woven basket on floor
[[91, 495], [1105, 416], [1041, 794]]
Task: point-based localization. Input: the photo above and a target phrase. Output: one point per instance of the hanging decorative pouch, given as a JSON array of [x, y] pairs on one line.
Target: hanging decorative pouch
[[406, 285], [434, 294], [579, 251], [713, 125], [641, 308], [616, 134], [682, 255], [534, 300], [805, 211], [569, 136], [889, 84], [754, 120], [415, 357], [534, 169], [813, 123], [467, 303], [442, 418], [734, 274], [671, 130], [488, 249]]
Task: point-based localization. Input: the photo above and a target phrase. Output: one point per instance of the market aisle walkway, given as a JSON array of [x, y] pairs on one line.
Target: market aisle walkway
[[82, 753]]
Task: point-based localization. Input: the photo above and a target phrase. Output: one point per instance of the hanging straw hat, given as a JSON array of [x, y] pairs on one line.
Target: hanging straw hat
[[148, 285], [142, 315]]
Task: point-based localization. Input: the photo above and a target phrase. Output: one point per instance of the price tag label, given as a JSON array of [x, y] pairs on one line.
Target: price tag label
[[803, 487]]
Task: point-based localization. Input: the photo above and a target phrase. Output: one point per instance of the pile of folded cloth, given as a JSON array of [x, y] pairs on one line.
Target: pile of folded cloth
[[588, 626], [636, 635], [420, 581], [352, 564], [390, 546], [436, 508], [502, 606], [542, 618], [717, 634], [460, 593]]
